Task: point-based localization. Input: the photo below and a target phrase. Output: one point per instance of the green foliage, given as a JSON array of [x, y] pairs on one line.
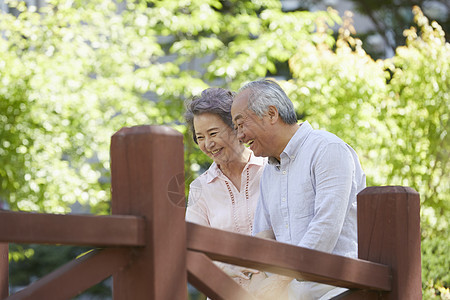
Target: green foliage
[[419, 158], [77, 71], [43, 260], [419, 88], [66, 86], [435, 265]]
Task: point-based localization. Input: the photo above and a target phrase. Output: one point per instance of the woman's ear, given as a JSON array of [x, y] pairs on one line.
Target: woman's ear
[[272, 112]]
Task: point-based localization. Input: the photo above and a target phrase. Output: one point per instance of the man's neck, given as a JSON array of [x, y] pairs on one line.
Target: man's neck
[[287, 132]]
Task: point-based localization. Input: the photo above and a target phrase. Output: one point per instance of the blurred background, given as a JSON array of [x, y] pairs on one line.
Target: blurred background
[[376, 73]]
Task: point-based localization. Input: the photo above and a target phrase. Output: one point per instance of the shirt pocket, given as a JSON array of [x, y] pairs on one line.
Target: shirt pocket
[[303, 201]]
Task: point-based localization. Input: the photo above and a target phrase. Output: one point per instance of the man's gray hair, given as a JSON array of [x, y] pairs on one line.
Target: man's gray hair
[[217, 101], [263, 93]]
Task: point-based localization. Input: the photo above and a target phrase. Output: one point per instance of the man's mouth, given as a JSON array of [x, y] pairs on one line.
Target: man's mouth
[[250, 143]]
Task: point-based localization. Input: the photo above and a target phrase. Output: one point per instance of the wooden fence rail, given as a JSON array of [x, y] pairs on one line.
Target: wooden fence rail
[[151, 252]]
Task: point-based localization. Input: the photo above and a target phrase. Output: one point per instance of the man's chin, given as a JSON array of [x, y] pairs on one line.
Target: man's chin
[[257, 153], [261, 154]]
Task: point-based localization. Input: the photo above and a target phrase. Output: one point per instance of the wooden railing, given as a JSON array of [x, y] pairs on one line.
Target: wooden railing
[[151, 252]]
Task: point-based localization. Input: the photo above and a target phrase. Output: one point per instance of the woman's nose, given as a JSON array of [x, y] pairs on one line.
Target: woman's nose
[[209, 143]]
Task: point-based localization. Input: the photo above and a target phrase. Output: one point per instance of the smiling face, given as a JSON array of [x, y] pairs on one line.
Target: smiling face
[[216, 139], [251, 129]]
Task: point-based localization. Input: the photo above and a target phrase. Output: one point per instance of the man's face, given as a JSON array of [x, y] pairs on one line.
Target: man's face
[[251, 129]]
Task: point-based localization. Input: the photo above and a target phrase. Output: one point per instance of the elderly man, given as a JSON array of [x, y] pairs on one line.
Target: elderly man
[[308, 190]]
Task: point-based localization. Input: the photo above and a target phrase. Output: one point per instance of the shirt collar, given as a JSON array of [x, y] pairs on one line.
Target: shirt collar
[[294, 143], [214, 171]]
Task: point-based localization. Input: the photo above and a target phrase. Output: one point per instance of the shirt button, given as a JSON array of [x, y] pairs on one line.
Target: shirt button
[[284, 172], [284, 199], [287, 226]]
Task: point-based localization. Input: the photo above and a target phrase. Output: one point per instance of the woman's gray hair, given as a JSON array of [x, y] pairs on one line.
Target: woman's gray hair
[[264, 93], [213, 100]]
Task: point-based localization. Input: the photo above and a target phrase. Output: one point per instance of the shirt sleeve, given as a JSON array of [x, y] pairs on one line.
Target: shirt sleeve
[[333, 170], [262, 218], [196, 211]]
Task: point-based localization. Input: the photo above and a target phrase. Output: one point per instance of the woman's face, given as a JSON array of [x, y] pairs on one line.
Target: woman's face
[[216, 139]]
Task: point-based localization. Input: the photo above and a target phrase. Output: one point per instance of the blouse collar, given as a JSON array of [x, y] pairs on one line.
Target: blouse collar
[[214, 171]]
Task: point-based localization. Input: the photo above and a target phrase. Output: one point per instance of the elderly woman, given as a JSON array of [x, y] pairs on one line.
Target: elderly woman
[[224, 196]]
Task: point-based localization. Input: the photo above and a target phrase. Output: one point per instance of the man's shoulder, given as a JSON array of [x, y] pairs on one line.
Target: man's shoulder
[[323, 137]]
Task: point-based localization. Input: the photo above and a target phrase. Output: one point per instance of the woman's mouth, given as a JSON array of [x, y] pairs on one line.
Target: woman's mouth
[[216, 152]]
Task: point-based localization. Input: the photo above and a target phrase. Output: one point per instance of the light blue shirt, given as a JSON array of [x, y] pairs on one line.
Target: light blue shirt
[[308, 199]]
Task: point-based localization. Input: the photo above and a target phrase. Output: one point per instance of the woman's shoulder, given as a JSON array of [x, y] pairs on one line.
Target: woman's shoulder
[[201, 186], [196, 189], [205, 177], [200, 180]]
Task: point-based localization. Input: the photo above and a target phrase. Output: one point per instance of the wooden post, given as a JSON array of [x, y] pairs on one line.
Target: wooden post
[[147, 179], [389, 233], [4, 271]]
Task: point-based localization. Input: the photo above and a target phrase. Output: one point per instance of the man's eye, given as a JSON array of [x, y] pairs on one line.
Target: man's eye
[[200, 138]]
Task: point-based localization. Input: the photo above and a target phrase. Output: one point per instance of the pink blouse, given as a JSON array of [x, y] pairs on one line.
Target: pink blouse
[[214, 201]]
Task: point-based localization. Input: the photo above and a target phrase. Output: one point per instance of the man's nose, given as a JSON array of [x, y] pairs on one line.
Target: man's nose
[[240, 135]]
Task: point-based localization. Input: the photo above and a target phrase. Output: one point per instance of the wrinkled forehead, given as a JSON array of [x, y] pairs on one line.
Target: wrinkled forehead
[[240, 105]]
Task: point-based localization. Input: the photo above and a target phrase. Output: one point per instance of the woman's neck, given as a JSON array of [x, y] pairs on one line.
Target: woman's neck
[[233, 169]]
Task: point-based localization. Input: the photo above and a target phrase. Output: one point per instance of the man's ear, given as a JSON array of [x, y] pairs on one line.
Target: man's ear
[[273, 114]]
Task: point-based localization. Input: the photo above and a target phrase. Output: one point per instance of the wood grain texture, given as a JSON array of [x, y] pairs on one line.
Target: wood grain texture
[[389, 233], [36, 228], [147, 170], [289, 260], [204, 275], [76, 276], [4, 271]]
